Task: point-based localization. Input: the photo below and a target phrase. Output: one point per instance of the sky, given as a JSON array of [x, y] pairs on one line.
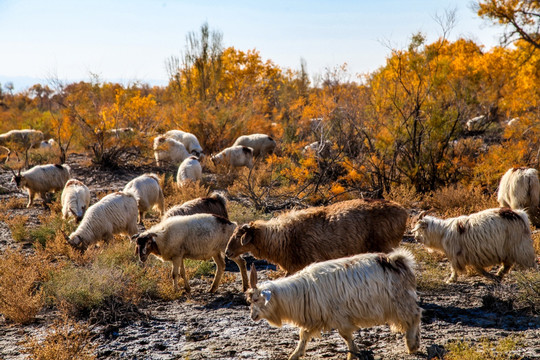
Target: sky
[[131, 40]]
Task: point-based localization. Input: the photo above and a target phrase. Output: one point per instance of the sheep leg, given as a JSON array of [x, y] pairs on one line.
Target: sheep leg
[[220, 269], [31, 196], [453, 276], [490, 276], [353, 349], [243, 271], [140, 218], [183, 274], [504, 270], [305, 336]]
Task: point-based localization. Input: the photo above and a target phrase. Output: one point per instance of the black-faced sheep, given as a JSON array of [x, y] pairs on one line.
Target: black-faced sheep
[[214, 204], [198, 237], [115, 213], [42, 179], [235, 156], [169, 150], [298, 238], [189, 170], [75, 199], [520, 189], [480, 240], [189, 140], [261, 144], [344, 294], [147, 192]]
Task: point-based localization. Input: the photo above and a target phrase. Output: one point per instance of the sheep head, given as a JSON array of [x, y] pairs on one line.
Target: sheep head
[[240, 240], [145, 245], [258, 299]]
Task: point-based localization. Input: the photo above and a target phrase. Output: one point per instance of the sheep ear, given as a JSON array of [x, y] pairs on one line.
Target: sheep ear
[[267, 295], [246, 236], [134, 237], [253, 277]]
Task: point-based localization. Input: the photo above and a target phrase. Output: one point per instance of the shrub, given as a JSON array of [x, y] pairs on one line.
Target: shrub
[[20, 298], [65, 340], [485, 350], [17, 227], [457, 200]]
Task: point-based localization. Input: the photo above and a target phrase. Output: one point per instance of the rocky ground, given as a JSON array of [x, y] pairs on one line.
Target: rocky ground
[[218, 326]]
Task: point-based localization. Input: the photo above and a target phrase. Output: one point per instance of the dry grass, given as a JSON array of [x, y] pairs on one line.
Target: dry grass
[[20, 275], [483, 350], [459, 200], [17, 226], [66, 339], [432, 268]]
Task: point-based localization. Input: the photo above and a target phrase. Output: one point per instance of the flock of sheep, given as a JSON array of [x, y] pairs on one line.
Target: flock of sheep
[[344, 268]]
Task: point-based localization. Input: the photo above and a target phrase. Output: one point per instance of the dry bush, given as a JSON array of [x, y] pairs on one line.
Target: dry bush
[[66, 339], [17, 227], [459, 200], [175, 195], [14, 203], [484, 350], [242, 214], [20, 298], [404, 195]]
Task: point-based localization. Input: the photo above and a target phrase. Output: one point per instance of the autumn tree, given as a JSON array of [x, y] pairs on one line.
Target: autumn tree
[[520, 18]]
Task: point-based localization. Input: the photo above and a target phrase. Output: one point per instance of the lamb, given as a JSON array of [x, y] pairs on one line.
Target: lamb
[[189, 140], [42, 179], [198, 237], [170, 150], [520, 189], [235, 156], [344, 294], [189, 170], [147, 192], [47, 144], [298, 238], [115, 213], [25, 139], [75, 199], [480, 240], [261, 144], [214, 204]]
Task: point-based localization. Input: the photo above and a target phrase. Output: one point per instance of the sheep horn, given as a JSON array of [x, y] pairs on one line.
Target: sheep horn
[[64, 233]]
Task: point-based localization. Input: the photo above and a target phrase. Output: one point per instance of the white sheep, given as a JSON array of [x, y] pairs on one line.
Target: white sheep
[[261, 144], [25, 139], [344, 294], [147, 192], [477, 123], [75, 199], [42, 179], [198, 237], [235, 156], [319, 148], [169, 150], [189, 140], [520, 189], [189, 170], [115, 213], [480, 240]]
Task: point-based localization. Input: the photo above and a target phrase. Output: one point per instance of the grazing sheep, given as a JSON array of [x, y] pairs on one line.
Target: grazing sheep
[[25, 139], [121, 132], [198, 237], [42, 179], [477, 123], [214, 204], [75, 199], [235, 156], [147, 192], [115, 213], [47, 144], [169, 150], [298, 238], [261, 144], [189, 140], [319, 148], [480, 240], [344, 294], [189, 170], [520, 189]]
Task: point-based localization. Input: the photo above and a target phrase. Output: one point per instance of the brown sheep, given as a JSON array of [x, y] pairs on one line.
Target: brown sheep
[[298, 238], [213, 204]]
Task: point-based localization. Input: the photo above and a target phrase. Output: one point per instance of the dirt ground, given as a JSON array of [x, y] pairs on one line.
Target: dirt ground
[[218, 326]]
